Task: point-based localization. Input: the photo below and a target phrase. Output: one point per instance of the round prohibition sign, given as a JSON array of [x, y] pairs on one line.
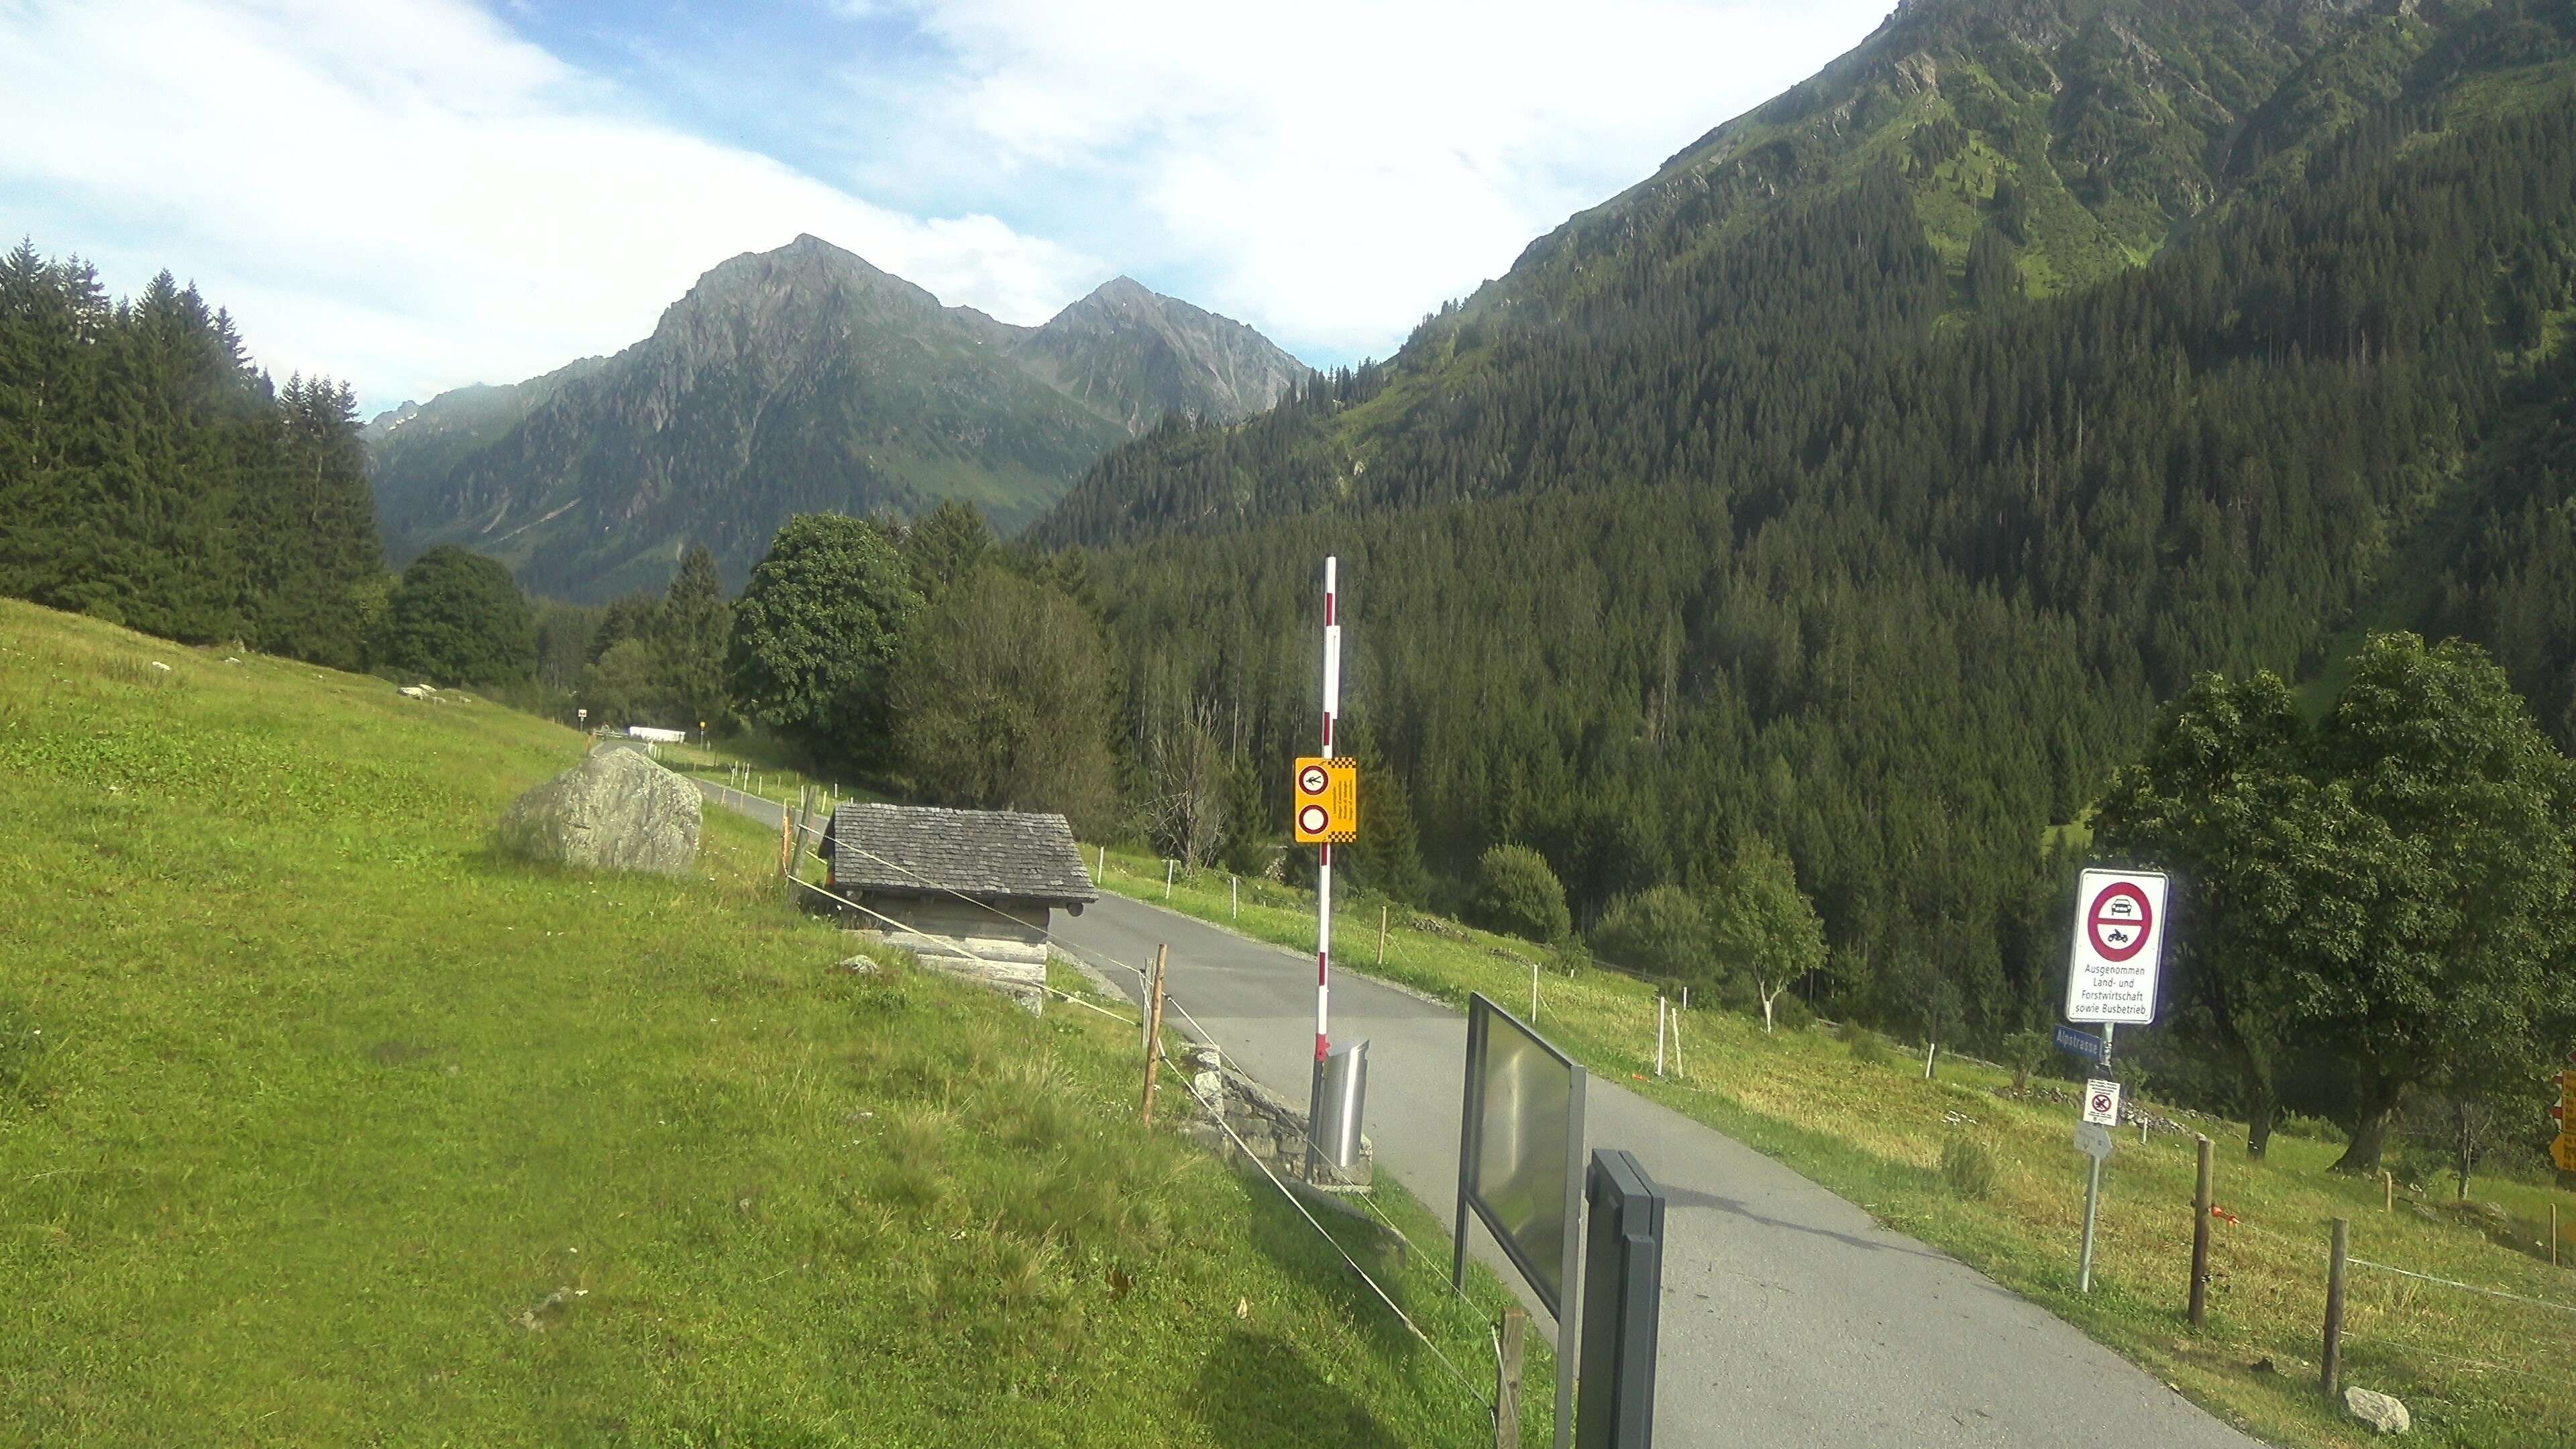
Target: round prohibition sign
[[1312, 780], [2120, 921], [2101, 1102], [1312, 819]]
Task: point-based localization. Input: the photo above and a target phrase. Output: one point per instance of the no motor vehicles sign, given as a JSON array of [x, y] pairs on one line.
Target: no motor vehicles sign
[[2119, 946]]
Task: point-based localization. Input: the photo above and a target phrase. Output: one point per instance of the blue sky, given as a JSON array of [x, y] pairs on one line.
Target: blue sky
[[417, 194]]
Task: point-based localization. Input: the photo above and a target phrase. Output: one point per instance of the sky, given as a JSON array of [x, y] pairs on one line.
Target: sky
[[413, 195]]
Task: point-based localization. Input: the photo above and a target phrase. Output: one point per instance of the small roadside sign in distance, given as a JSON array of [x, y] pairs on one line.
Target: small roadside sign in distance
[[2564, 1149], [2102, 1103], [2119, 947], [2093, 1140]]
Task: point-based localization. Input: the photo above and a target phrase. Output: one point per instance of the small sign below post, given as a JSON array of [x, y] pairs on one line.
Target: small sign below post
[[2119, 946], [2102, 1103], [2093, 1140]]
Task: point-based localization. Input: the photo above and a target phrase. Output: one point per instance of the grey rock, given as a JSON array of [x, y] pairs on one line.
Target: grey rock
[[2382, 1412], [616, 810]]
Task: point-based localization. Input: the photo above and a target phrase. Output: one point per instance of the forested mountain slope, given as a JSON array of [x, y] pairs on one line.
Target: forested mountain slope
[[794, 381], [1799, 517]]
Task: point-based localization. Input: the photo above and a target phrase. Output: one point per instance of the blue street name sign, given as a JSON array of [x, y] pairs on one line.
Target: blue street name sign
[[2079, 1043]]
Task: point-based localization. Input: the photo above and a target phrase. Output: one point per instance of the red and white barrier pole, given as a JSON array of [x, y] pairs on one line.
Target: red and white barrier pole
[[1324, 871]]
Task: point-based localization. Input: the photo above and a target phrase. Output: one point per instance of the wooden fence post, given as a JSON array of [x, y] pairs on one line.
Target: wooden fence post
[[1381, 935], [1154, 1032], [2335, 1270], [2388, 1190], [2200, 1242], [1507, 1379]]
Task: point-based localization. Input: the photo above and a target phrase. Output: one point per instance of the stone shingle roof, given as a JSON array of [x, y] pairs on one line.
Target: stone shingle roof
[[982, 853]]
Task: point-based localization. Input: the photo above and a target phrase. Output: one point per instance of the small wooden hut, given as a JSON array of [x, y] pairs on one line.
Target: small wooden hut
[[969, 891]]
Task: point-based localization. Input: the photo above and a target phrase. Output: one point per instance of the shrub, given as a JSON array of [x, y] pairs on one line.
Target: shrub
[[1793, 1013], [1661, 930], [2026, 1052], [1969, 1168], [2314, 1129], [1867, 1047], [1518, 895]]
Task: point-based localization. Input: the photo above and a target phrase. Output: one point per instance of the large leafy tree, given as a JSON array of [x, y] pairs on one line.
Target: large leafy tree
[[2390, 888], [2223, 795], [816, 631], [459, 618], [1762, 927], [2461, 858], [1002, 701]]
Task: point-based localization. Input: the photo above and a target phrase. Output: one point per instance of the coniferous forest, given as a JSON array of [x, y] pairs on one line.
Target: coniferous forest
[[1819, 537], [153, 477]]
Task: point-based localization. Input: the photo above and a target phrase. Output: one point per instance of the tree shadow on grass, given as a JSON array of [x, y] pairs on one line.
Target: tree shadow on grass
[[1257, 1389]]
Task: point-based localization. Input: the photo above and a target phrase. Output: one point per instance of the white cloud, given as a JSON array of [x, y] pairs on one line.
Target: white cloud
[[409, 194], [1329, 172], [405, 194]]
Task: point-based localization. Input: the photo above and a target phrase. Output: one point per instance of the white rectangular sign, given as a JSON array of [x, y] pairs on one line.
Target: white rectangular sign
[[2118, 949], [2102, 1103]]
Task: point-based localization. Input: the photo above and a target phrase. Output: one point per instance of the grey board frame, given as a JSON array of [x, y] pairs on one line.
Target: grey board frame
[[1483, 1016]]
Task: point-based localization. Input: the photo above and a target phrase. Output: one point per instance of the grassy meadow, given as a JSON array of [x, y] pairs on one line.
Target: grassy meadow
[[1858, 1117], [319, 1124]]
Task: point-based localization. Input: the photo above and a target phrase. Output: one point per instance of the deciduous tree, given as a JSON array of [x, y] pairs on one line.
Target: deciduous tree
[[816, 632]]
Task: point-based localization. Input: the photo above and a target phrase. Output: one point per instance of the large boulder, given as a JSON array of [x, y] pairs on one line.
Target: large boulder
[[615, 811], [2382, 1412]]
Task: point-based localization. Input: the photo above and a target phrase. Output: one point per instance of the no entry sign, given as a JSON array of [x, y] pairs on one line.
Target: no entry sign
[[2119, 946]]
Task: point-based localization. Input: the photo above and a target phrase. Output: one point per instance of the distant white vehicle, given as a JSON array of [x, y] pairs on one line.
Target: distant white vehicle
[[659, 737]]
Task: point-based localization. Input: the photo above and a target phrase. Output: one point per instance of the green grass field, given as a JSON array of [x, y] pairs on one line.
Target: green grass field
[[319, 1124], [2475, 1370]]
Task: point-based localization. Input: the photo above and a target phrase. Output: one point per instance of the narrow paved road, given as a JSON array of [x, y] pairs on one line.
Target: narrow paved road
[[1790, 1319]]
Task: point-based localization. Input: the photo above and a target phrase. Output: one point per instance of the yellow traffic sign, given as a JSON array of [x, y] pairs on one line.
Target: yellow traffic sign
[[1325, 802], [2564, 1149]]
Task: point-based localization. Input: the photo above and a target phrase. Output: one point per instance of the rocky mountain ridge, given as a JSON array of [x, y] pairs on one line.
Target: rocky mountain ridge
[[795, 380]]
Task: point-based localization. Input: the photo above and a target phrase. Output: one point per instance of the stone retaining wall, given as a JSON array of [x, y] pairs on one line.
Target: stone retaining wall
[[1270, 1125]]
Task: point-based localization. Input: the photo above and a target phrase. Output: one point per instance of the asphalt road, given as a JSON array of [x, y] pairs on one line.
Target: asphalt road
[[1790, 1319]]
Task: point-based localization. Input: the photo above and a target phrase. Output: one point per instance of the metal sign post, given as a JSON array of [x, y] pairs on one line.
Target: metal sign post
[[2094, 1141], [2112, 965]]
